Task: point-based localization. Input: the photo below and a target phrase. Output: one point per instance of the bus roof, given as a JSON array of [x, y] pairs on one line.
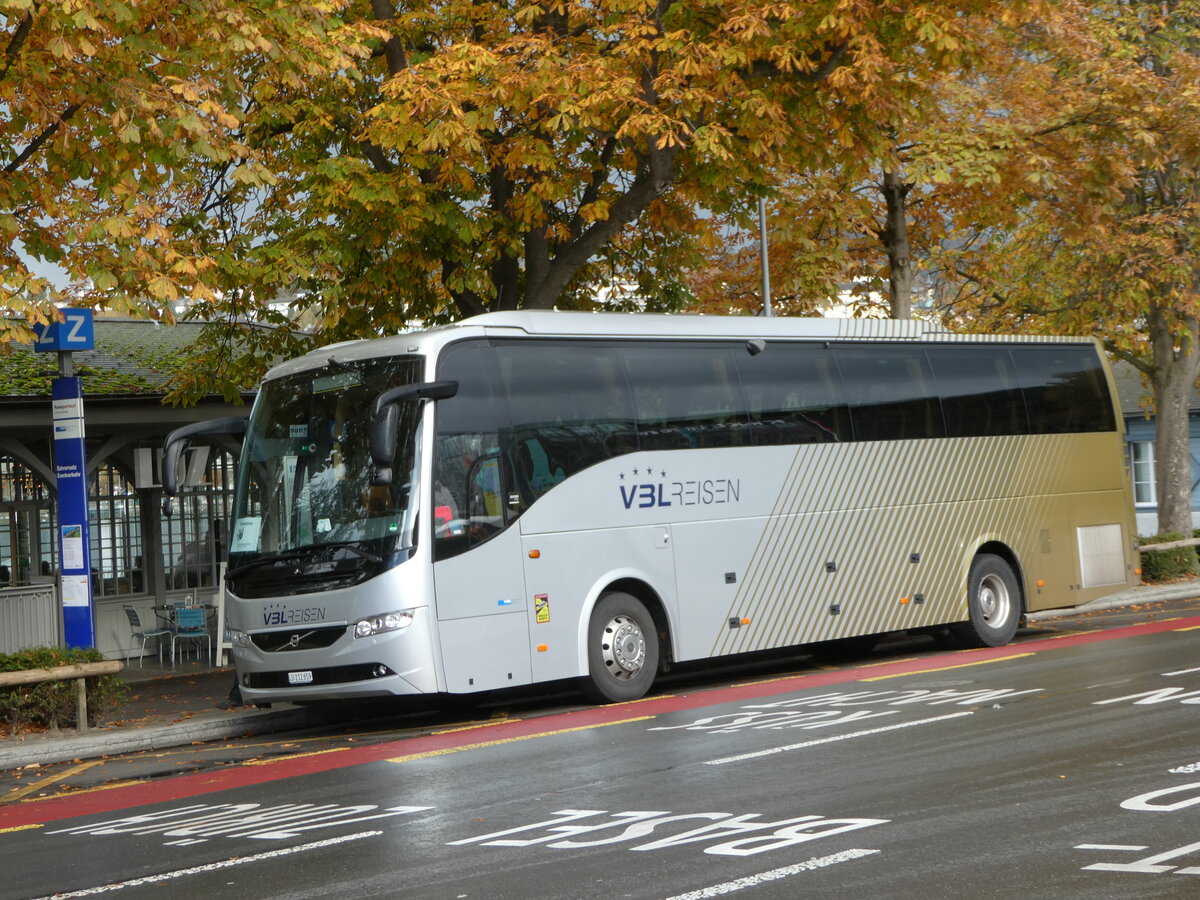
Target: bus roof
[[550, 323]]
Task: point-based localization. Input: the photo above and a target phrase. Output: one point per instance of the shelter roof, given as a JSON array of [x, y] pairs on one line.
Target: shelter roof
[[132, 358]]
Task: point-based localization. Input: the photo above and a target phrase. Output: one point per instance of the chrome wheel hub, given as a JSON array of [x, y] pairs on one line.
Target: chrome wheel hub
[[994, 601], [623, 647]]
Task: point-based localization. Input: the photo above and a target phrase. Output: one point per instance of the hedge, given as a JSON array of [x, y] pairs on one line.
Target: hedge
[[1164, 565], [52, 703]]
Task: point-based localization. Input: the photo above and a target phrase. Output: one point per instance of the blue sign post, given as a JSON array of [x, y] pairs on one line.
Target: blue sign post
[[75, 332]]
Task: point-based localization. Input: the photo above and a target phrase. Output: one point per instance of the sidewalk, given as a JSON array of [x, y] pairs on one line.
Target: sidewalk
[[1146, 593], [170, 708], [166, 708]]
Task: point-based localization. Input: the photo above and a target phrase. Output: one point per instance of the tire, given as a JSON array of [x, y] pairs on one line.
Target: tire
[[622, 647], [993, 603]]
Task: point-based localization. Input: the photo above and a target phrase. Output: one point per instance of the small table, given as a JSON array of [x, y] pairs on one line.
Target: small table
[[167, 614]]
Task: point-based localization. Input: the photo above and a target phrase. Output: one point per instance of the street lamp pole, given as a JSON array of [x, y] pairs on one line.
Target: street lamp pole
[[766, 265]]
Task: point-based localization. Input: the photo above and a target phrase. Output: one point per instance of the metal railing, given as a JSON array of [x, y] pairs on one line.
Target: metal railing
[[28, 617], [1169, 545]]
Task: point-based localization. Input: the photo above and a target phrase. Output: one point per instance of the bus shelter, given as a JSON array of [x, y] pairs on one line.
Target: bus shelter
[[139, 557]]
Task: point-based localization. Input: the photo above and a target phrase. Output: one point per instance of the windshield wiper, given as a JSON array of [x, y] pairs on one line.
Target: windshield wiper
[[353, 548], [267, 559], [304, 554]]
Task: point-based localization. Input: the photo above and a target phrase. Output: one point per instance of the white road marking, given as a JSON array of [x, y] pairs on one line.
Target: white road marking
[[199, 822], [1186, 770], [210, 867], [1180, 672], [1132, 847], [1150, 865], [775, 874], [839, 737]]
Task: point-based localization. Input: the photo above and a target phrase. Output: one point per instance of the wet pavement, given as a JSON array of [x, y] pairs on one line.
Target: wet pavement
[[188, 704], [1057, 766]]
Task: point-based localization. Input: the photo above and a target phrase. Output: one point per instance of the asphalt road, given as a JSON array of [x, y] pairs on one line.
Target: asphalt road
[[1065, 765]]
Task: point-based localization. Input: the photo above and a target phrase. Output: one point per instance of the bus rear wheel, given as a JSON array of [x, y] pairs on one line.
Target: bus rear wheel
[[993, 603], [622, 650]]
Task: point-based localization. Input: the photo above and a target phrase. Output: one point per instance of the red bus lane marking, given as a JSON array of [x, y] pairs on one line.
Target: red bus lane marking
[[21, 815]]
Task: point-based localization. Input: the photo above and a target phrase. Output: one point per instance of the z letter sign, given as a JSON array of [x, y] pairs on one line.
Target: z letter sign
[[75, 332]]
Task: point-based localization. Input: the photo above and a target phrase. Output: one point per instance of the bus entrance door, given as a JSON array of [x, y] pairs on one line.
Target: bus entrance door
[[481, 611]]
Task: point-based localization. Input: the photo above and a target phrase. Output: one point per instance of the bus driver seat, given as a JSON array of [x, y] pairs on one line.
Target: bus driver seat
[[536, 468]]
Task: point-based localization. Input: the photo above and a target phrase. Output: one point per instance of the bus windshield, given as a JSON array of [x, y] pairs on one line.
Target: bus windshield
[[307, 516]]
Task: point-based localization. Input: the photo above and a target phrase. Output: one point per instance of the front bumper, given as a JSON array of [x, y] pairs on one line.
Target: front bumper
[[273, 669]]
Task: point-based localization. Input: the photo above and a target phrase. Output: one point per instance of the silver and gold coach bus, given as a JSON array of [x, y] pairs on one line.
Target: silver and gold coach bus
[[527, 497]]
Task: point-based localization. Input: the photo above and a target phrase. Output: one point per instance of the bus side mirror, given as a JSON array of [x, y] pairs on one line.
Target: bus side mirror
[[172, 452], [179, 440], [385, 418], [383, 442]]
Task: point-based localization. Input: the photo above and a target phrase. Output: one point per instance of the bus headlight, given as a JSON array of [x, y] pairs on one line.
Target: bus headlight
[[238, 638], [393, 621]]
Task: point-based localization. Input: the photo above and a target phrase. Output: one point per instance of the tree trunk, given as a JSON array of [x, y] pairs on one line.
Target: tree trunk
[[656, 174], [1176, 366], [895, 240]]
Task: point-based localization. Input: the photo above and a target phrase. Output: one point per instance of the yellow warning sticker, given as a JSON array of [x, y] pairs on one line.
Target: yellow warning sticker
[[541, 608]]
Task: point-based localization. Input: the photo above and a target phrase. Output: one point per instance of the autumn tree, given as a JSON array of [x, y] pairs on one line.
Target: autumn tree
[[874, 225], [1097, 228], [114, 113], [505, 155]]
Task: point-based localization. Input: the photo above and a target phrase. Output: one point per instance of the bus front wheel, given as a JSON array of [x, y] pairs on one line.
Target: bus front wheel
[[622, 650], [993, 603]]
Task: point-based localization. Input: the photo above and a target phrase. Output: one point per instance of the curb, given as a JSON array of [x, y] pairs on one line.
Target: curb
[[1145, 594], [43, 750]]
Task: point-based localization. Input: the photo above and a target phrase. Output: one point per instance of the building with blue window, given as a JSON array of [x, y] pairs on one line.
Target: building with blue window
[[1140, 438]]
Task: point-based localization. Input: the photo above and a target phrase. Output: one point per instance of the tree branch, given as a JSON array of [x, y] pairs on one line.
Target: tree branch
[[768, 69], [592, 192], [393, 52], [655, 176], [506, 269], [36, 144], [16, 42], [1128, 356], [468, 302]]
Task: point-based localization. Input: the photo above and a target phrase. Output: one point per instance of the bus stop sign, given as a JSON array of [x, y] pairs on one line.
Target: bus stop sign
[[75, 332]]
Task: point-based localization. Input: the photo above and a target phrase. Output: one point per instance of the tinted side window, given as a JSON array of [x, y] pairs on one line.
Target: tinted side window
[[890, 391], [1065, 389], [794, 395], [685, 396], [979, 389], [471, 473], [569, 408]]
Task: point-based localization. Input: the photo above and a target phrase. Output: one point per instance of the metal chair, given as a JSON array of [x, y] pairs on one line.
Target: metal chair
[[135, 622], [190, 624]]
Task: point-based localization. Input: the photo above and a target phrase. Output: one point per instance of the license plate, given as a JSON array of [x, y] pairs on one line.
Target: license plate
[[299, 677]]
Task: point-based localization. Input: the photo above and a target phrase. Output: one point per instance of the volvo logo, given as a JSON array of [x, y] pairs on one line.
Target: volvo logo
[[294, 641]]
